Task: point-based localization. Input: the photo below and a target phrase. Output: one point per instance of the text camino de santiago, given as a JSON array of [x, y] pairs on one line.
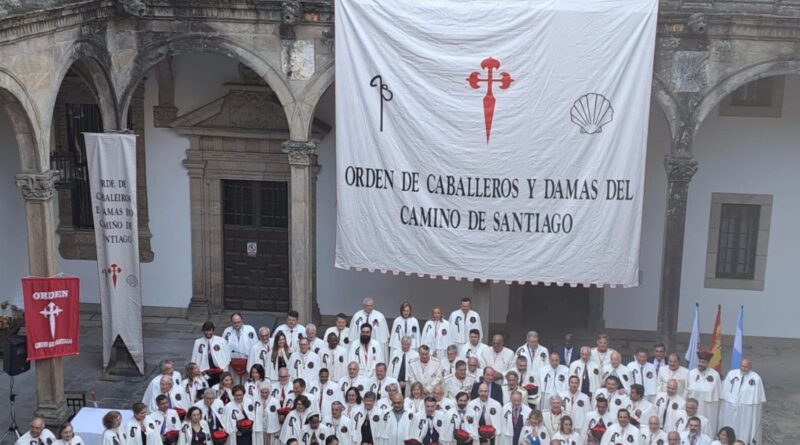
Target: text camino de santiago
[[488, 188]]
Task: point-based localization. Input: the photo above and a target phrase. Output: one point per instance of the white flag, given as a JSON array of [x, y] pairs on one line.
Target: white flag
[[694, 340], [493, 140], [112, 178]]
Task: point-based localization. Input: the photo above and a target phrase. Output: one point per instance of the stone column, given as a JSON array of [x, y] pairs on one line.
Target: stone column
[[38, 189], [482, 304], [302, 160], [680, 169]]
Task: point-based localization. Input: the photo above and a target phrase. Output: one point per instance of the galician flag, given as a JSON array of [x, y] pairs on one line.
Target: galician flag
[[736, 354], [716, 342], [694, 341]]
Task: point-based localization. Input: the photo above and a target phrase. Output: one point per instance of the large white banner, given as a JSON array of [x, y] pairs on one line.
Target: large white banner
[[112, 177], [494, 140]]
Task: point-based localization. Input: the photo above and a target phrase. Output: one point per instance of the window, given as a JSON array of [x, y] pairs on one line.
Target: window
[[81, 118], [759, 98], [737, 241]]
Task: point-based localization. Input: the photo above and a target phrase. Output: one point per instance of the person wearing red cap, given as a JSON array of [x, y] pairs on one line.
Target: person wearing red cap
[[704, 385]]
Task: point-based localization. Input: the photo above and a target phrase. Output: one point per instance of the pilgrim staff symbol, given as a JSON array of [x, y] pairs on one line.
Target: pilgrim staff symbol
[[385, 94]]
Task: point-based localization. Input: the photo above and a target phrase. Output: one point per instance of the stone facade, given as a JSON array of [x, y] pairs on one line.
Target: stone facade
[[705, 50]]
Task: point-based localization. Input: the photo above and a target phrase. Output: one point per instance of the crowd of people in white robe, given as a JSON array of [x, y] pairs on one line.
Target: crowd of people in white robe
[[376, 383]]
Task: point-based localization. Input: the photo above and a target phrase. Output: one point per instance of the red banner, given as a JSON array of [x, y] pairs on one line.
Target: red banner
[[51, 316]]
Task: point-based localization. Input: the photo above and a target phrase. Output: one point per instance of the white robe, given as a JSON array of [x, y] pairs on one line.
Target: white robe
[[376, 428], [394, 430], [468, 350], [672, 406], [266, 418], [380, 329], [334, 360], [46, 438], [273, 367], [537, 358], [621, 372], [219, 350], [453, 386], [552, 421], [578, 367], [260, 354], [366, 359], [436, 336], [551, 382], [315, 436], [705, 387], [133, 433], [241, 344], [500, 362], [642, 411], [462, 323], [234, 413], [682, 423], [573, 438], [619, 434], [112, 437], [292, 335], [194, 388], [593, 419], [702, 439], [506, 428], [404, 327], [742, 405], [154, 388], [379, 386], [644, 375], [396, 362], [344, 335], [223, 394], [325, 395], [159, 419], [528, 431], [420, 424], [429, 374], [342, 428], [213, 416], [577, 406], [76, 440], [680, 375], [603, 358], [177, 399], [360, 382], [185, 434], [493, 413], [293, 426], [304, 366], [651, 438], [616, 401]]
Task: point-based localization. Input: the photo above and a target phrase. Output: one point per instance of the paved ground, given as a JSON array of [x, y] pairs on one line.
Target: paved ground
[[776, 360]]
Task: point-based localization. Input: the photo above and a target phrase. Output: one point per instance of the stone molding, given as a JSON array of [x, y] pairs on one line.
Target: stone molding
[[300, 152], [37, 186]]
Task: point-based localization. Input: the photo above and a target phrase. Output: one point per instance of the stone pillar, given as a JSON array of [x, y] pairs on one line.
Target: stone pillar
[[302, 162], [481, 303], [680, 169], [38, 189]]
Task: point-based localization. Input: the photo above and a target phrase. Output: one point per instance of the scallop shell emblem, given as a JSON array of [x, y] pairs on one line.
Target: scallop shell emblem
[[591, 112]]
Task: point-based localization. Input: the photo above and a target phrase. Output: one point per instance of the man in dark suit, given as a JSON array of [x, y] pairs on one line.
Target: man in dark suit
[[567, 352], [659, 356], [495, 390]]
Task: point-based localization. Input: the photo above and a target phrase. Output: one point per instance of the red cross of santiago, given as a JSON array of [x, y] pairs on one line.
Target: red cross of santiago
[[490, 65]]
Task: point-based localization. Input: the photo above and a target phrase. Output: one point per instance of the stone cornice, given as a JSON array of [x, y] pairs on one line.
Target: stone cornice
[[35, 23]]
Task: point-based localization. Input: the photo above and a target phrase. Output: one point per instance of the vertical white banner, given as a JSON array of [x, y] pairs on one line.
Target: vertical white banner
[[112, 177]]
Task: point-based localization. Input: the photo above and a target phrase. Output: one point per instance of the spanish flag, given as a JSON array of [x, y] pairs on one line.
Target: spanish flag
[[716, 342]]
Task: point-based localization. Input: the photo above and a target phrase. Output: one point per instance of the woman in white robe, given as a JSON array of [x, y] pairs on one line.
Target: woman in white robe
[[534, 432], [416, 401], [224, 388], [404, 326], [726, 436], [138, 430], [257, 375], [352, 399], [112, 434], [67, 436], [436, 334], [194, 430], [566, 434], [195, 383], [295, 420], [279, 357], [266, 425], [239, 409]]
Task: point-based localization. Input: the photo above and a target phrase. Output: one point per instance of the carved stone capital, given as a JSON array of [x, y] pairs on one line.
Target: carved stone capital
[[300, 152], [680, 168], [38, 186]]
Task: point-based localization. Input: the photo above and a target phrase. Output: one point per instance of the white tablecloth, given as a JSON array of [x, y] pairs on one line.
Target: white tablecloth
[[88, 423]]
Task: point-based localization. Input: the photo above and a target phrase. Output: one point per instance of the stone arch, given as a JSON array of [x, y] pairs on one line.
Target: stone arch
[[729, 84], [26, 121], [90, 61], [150, 56], [302, 119], [668, 105]]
